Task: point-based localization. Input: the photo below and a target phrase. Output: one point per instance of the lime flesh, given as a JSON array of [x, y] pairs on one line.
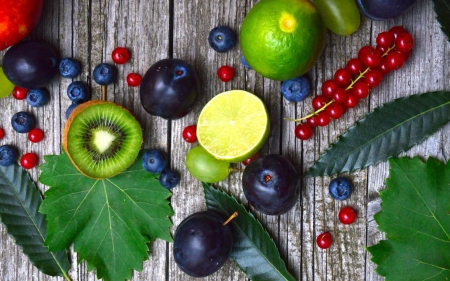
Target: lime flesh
[[6, 87]]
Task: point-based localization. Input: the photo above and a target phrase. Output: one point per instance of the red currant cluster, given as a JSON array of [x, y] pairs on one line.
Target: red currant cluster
[[353, 82]]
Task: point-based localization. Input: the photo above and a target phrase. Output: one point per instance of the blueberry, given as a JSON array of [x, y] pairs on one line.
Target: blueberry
[[222, 38], [78, 92], [8, 155], [23, 122], [169, 178], [69, 68], [340, 188], [104, 74], [38, 97], [296, 89], [70, 109], [154, 161], [245, 63]]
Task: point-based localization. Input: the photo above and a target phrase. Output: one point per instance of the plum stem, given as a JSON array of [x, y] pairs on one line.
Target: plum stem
[[235, 214]]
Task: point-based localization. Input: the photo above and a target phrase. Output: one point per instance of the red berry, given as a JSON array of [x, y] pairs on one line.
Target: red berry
[[369, 56], [352, 100], [361, 89], [120, 55], [190, 133], [35, 135], [249, 160], [134, 79], [28, 160], [385, 39], [324, 240], [381, 50], [319, 101], [19, 93], [303, 131], [343, 77], [329, 87], [347, 215], [313, 121], [373, 78], [335, 110], [383, 67], [323, 119], [225, 73], [404, 42], [2, 133], [355, 66], [406, 55], [397, 30], [395, 60], [340, 95]]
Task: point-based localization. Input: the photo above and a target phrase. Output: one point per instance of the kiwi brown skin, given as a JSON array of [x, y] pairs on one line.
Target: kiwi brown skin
[[80, 108]]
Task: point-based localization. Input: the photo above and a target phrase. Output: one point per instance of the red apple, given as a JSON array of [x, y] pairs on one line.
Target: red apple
[[17, 20]]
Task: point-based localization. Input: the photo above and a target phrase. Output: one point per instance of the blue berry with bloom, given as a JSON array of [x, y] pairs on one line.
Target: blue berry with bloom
[[296, 89]]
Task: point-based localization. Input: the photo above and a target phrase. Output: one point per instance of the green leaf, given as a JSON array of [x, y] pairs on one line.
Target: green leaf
[[109, 221], [384, 133], [416, 218], [442, 9], [19, 204], [254, 250]]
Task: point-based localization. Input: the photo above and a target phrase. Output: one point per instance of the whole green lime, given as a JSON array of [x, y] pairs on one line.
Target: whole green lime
[[282, 39]]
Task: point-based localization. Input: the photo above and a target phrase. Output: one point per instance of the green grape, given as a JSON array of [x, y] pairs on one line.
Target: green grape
[[204, 167], [6, 87], [340, 16]]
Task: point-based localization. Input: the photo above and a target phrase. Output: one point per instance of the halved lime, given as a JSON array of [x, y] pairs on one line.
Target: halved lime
[[6, 87], [233, 126]]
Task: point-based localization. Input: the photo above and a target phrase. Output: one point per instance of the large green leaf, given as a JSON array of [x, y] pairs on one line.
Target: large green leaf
[[416, 218], [254, 250], [384, 133], [442, 9], [109, 221], [19, 204]]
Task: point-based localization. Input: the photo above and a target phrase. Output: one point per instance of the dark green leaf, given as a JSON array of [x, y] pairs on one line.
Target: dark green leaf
[[384, 133], [109, 221], [416, 218], [19, 205], [442, 9], [254, 250]]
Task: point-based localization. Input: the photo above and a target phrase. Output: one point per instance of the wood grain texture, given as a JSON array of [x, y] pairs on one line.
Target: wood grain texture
[[89, 30]]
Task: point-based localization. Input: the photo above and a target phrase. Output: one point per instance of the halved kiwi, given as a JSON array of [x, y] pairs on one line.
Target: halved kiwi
[[102, 138]]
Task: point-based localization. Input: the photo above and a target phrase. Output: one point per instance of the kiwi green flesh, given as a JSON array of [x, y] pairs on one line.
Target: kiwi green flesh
[[103, 140]]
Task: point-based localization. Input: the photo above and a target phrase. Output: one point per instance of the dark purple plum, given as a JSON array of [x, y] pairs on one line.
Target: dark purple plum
[[169, 89], [384, 9], [271, 184], [31, 64], [202, 244]]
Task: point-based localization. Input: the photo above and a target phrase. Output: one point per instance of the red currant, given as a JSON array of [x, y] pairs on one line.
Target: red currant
[[406, 55], [340, 95], [324, 240], [355, 66], [249, 160], [2, 133], [225, 73], [404, 42], [381, 50], [28, 160], [319, 101], [361, 89], [313, 121], [352, 100], [383, 67], [343, 77], [35, 135], [373, 78], [324, 119], [385, 39], [303, 131], [347, 215], [19, 93], [329, 87], [134, 79], [395, 60], [335, 110], [190, 133], [397, 30], [120, 55], [369, 56]]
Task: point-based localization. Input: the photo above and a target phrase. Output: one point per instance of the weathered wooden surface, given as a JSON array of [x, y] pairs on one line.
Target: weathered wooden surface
[[90, 29]]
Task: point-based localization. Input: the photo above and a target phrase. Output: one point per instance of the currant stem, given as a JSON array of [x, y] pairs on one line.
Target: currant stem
[[103, 92], [235, 214]]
